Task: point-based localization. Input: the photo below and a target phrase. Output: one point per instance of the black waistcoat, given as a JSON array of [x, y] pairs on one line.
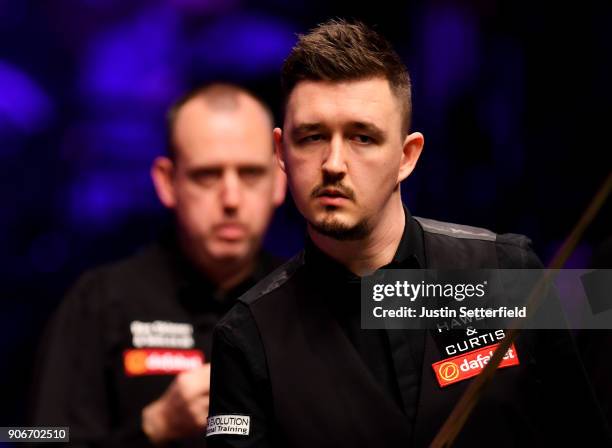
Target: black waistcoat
[[324, 395]]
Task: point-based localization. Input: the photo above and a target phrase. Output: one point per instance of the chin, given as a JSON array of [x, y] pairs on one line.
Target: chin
[[326, 213], [340, 229], [229, 251], [335, 215]]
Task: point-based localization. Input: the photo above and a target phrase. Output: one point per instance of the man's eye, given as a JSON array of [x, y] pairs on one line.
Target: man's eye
[[364, 139], [251, 174], [206, 177], [311, 138]]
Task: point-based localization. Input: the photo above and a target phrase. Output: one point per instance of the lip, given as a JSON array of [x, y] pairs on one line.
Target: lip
[[332, 197], [332, 193], [331, 200], [230, 231]]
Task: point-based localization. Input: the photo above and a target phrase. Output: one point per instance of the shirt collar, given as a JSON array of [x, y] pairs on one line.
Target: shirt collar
[[410, 254], [411, 250], [196, 290]]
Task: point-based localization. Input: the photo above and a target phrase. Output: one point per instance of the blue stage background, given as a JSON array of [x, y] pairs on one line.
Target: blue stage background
[[514, 100]]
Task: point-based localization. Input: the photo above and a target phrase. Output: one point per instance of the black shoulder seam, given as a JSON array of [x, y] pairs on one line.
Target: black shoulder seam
[[522, 243], [274, 280], [456, 230], [514, 239]]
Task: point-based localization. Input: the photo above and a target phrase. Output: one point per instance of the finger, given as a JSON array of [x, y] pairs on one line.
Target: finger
[[205, 373], [196, 381], [199, 411]]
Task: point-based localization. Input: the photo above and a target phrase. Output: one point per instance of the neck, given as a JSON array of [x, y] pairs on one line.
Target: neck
[[225, 274], [372, 252], [228, 276]]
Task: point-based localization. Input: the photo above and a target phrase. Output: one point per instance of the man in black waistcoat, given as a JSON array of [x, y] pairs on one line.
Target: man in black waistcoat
[[126, 359], [291, 365]]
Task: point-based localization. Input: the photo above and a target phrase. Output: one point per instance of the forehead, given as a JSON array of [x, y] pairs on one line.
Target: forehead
[[208, 135], [336, 102]]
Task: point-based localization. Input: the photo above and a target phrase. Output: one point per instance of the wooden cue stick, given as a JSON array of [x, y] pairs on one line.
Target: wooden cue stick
[[462, 410]]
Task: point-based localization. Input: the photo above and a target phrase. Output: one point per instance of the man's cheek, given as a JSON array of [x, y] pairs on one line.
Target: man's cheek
[[304, 186]]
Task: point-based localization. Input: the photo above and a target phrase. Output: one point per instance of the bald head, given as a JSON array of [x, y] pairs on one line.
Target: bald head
[[221, 180], [215, 101]]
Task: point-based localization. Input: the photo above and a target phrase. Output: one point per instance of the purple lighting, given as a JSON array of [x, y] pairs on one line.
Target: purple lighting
[[204, 6], [24, 105], [107, 197], [134, 142], [250, 44], [451, 55], [134, 61]]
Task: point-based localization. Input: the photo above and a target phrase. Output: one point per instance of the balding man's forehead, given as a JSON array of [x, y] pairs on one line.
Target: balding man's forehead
[[246, 111], [231, 101], [201, 132], [217, 102], [222, 97]]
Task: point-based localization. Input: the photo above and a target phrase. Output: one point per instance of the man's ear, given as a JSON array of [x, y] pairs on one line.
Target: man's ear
[[280, 185], [280, 178], [277, 136], [411, 151], [162, 173]]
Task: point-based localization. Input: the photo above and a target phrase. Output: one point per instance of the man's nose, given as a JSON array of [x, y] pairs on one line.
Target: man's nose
[[230, 190], [334, 162]]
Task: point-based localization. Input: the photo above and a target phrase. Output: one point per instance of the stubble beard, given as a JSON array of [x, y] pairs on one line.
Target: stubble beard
[[332, 227]]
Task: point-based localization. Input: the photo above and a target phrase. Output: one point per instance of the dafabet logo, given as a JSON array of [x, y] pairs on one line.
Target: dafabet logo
[[462, 367], [139, 362], [448, 371]]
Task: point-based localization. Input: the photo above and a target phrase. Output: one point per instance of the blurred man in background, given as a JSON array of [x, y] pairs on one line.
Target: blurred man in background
[[125, 361]]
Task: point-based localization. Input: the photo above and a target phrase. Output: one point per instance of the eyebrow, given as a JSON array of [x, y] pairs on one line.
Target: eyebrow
[[369, 128], [305, 128], [362, 126], [221, 166], [200, 170]]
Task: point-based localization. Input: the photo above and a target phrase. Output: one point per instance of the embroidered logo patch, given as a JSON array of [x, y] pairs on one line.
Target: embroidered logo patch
[[467, 365], [139, 362], [161, 333], [228, 424]]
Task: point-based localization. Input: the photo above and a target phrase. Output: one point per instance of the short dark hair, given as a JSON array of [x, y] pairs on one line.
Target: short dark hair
[[218, 95], [338, 50]]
